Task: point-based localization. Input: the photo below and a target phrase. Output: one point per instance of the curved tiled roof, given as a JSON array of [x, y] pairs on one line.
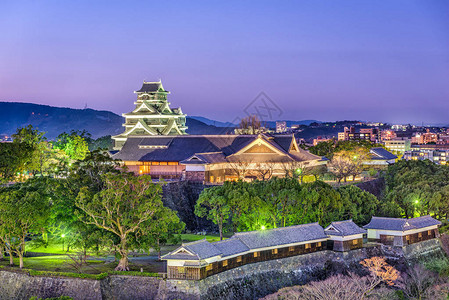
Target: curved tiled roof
[[252, 240], [344, 228], [398, 224]]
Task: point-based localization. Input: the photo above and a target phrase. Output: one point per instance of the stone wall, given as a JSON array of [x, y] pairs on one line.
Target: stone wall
[[247, 282]]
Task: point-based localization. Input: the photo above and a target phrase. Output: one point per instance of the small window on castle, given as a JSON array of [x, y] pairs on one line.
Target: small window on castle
[[181, 269], [420, 234], [307, 246], [354, 242], [225, 263], [318, 244], [274, 251], [209, 267], [291, 248], [256, 254], [407, 237], [239, 258], [429, 232]]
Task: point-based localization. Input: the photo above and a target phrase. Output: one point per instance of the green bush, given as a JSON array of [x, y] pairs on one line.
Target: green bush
[[439, 265], [89, 276]]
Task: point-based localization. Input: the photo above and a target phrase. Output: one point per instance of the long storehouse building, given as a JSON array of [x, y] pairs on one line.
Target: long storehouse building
[[200, 259], [402, 232]]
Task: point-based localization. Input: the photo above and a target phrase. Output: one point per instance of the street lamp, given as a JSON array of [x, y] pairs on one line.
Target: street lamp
[[262, 227]]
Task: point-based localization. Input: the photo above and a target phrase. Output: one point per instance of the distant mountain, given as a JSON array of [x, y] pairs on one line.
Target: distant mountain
[[271, 124], [213, 122], [55, 120]]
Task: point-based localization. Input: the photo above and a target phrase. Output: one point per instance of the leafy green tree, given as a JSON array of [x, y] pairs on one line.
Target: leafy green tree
[[282, 196], [418, 187], [24, 210], [357, 205], [123, 208], [214, 205], [73, 144], [317, 200], [14, 158]]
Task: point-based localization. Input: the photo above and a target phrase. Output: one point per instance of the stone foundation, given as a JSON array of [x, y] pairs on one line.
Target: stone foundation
[[247, 282]]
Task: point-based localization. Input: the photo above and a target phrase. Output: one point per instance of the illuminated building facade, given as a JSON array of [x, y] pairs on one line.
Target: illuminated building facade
[[215, 158], [152, 115]]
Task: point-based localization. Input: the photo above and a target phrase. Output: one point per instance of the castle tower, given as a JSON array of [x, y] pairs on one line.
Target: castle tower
[[152, 115]]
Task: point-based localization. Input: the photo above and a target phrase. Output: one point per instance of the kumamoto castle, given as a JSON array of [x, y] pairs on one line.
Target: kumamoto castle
[[155, 142]]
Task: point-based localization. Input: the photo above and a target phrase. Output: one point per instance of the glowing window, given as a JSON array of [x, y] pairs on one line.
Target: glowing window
[[239, 258], [291, 248], [225, 263], [274, 251], [256, 254], [209, 267], [307, 246]]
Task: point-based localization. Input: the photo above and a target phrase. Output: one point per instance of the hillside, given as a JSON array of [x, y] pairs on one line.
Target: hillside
[[55, 120]]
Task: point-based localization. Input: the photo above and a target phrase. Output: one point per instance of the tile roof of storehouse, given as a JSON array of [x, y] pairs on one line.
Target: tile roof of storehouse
[[381, 153], [398, 224], [201, 249], [344, 228], [245, 241], [281, 236]]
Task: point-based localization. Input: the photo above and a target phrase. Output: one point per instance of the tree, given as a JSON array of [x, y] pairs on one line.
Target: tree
[[213, 204], [250, 125], [357, 205], [264, 170], [73, 144], [14, 158], [24, 210], [123, 207], [240, 168]]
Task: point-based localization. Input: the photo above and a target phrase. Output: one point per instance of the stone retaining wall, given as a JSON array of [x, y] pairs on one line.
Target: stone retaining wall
[[247, 282]]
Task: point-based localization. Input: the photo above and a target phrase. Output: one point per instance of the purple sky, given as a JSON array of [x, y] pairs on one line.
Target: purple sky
[[324, 60]]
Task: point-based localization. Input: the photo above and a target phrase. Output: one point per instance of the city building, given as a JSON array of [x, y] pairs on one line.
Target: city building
[[344, 236], [197, 260], [281, 126], [379, 157], [402, 232], [215, 158], [320, 139], [152, 115], [387, 135], [440, 157], [399, 145], [425, 138], [353, 134]]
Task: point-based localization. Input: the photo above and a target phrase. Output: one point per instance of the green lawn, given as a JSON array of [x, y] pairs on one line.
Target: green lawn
[[189, 237], [53, 248]]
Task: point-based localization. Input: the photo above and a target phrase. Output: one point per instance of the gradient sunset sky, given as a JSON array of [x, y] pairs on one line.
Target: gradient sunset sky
[[323, 60]]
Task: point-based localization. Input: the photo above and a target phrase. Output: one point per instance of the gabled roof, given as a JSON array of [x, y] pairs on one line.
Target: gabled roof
[[151, 87], [398, 224], [205, 158], [382, 154], [281, 236], [344, 228], [198, 250], [183, 147]]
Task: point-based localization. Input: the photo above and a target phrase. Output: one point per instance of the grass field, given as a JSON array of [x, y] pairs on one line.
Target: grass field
[[57, 259]]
